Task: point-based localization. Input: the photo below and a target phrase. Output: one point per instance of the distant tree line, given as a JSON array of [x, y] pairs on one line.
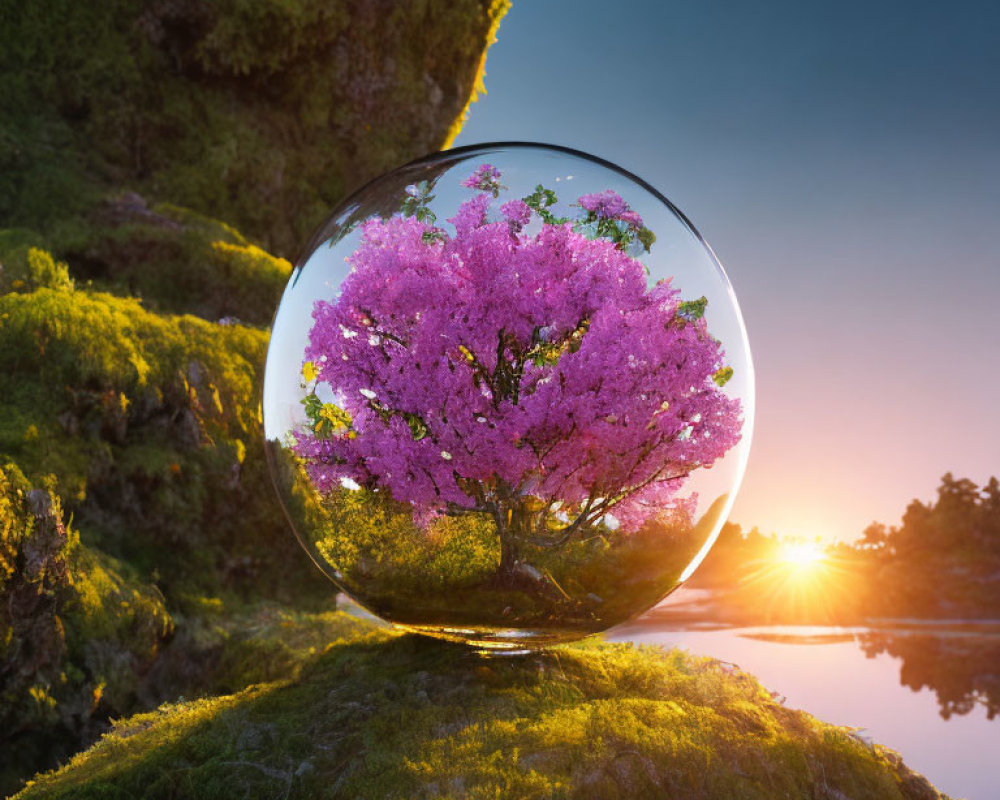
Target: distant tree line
[[942, 560], [963, 523]]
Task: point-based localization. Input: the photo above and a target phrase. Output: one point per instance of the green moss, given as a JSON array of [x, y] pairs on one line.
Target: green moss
[[90, 365], [149, 425], [224, 649], [178, 261], [145, 428], [25, 265], [44, 271], [113, 343], [394, 717], [135, 416], [77, 630], [105, 604], [262, 113]]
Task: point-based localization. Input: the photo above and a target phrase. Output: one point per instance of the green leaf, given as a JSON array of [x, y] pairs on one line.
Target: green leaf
[[416, 204], [418, 428], [691, 310], [722, 376], [540, 201], [646, 237]]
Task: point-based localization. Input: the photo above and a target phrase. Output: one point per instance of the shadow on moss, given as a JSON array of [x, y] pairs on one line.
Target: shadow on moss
[[77, 631], [401, 716]]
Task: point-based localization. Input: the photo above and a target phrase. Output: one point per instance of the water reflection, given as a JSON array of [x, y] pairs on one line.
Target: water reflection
[[926, 690], [961, 667]]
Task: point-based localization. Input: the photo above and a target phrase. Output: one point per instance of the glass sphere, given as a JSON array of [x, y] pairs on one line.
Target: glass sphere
[[508, 396]]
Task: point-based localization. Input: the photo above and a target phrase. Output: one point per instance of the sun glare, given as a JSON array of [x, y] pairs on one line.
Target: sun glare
[[802, 555]]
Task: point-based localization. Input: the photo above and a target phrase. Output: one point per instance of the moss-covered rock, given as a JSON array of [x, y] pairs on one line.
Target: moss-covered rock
[[401, 717], [77, 631], [132, 325], [145, 428], [177, 260], [149, 426], [259, 112]]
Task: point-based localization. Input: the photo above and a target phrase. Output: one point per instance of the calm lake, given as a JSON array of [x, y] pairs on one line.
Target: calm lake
[[855, 677]]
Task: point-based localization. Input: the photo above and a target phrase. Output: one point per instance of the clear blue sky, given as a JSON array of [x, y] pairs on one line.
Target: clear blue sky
[[843, 159]]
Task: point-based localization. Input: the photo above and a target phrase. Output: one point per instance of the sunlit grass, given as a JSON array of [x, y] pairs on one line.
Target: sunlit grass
[[389, 716]]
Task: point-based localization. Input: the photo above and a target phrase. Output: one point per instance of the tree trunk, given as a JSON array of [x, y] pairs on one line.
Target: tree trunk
[[513, 526], [509, 555]]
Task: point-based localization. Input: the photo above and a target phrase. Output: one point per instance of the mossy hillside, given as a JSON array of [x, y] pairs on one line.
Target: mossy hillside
[[173, 259], [398, 716], [223, 649], [170, 258], [77, 630], [261, 113], [26, 265], [143, 429], [150, 426], [83, 638]]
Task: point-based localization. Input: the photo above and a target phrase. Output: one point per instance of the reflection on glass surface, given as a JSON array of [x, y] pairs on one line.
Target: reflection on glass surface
[[508, 396]]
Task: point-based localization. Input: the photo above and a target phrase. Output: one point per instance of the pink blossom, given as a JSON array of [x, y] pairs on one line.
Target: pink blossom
[[517, 212], [488, 368], [610, 205], [486, 178], [631, 218], [607, 204]]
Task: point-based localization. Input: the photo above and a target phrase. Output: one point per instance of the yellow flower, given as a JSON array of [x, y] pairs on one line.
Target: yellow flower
[[336, 416], [309, 371]]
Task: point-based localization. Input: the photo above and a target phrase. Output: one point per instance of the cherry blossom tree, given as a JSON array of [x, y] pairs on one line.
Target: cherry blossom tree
[[522, 371]]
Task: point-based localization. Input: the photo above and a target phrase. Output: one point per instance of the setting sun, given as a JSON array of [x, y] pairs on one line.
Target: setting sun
[[802, 554]]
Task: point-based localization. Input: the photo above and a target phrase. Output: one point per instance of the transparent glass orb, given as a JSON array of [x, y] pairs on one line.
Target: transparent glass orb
[[508, 396]]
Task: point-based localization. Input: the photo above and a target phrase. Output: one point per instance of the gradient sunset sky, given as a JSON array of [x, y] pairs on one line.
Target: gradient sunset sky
[[843, 160]]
